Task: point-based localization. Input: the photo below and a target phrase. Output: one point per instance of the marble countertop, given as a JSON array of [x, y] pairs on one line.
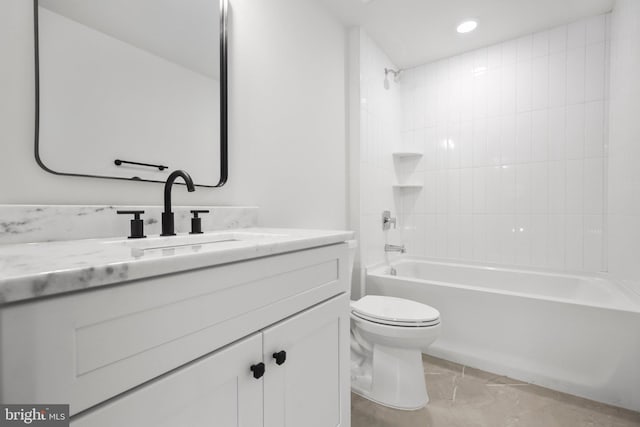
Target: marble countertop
[[34, 270]]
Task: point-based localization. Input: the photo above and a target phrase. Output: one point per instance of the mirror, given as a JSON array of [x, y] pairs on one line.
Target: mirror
[[132, 89]]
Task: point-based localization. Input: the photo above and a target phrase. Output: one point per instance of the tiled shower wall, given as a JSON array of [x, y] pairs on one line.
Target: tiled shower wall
[[624, 146], [380, 133], [513, 137]]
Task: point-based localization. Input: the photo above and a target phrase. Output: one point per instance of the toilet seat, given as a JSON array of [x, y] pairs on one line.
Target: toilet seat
[[395, 311]]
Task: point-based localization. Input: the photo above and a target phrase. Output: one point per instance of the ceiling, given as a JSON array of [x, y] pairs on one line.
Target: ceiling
[[188, 36], [413, 32]]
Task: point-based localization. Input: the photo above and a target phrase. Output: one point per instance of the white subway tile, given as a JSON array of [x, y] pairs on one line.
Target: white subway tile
[[523, 137], [524, 48], [493, 184], [441, 191], [596, 29], [557, 127], [558, 39], [508, 90], [494, 90], [509, 52], [524, 89], [466, 145], [466, 237], [508, 139], [539, 234], [539, 188], [557, 187], [539, 135], [480, 233], [454, 234], [523, 239], [576, 34], [575, 75], [595, 72], [430, 192], [594, 129], [507, 238], [557, 79], [480, 83], [453, 191], [441, 236], [575, 126], [453, 147], [593, 186], [574, 243], [430, 236], [556, 242], [493, 241], [540, 83], [575, 187], [480, 157], [494, 56], [480, 190], [593, 243], [523, 188], [540, 44], [493, 141], [507, 189]]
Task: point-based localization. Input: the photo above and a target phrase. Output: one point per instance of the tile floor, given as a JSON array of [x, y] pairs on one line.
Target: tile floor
[[467, 397]]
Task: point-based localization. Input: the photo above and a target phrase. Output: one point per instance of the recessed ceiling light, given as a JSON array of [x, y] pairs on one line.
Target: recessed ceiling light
[[467, 27]]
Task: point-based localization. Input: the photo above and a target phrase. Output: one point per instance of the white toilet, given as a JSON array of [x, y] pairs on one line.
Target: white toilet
[[388, 336]]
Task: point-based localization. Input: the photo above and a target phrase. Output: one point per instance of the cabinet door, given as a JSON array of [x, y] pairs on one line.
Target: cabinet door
[[218, 390], [311, 388]]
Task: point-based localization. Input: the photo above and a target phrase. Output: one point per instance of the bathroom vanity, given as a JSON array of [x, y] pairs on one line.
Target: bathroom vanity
[[236, 328]]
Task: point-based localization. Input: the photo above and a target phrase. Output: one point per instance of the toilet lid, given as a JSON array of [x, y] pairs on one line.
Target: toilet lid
[[394, 311]]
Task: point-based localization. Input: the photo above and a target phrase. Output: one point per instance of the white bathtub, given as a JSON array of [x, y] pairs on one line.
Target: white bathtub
[[576, 334]]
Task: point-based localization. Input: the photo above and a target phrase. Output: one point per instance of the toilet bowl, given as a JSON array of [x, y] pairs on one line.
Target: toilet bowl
[[388, 336]]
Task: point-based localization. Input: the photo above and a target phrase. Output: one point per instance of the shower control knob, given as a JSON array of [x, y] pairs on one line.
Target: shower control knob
[[258, 370], [280, 357]]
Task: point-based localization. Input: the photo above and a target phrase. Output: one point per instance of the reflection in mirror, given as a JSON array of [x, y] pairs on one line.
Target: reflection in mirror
[[132, 89]]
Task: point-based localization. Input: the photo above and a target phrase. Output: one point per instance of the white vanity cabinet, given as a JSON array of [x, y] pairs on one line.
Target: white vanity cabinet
[[217, 390], [221, 390], [177, 350]]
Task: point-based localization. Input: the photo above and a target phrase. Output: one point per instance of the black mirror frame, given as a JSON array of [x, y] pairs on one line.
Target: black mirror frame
[[224, 114]]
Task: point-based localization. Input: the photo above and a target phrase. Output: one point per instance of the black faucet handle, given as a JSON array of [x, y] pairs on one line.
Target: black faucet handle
[[196, 221], [137, 224], [195, 212]]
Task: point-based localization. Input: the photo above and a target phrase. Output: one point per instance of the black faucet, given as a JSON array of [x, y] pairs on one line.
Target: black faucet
[[167, 215]]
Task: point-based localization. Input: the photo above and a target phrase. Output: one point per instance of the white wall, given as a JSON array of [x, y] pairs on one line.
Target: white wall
[[624, 144], [513, 137], [287, 119]]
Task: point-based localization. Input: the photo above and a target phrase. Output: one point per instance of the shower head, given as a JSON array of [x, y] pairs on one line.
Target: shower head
[[396, 76]]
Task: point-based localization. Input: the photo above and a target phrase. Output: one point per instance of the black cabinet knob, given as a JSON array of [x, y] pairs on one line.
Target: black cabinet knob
[[196, 221], [137, 224], [280, 357], [258, 370]]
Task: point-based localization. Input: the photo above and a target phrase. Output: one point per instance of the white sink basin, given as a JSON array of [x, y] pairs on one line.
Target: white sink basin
[[218, 237]]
